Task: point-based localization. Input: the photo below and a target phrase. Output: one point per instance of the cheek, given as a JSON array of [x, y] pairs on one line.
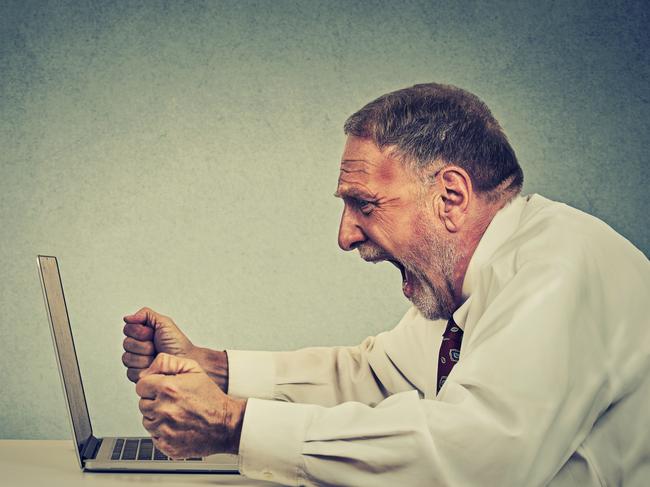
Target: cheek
[[423, 226], [386, 231], [408, 230]]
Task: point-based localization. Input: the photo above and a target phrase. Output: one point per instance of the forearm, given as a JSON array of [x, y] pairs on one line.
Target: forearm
[[329, 376], [394, 361]]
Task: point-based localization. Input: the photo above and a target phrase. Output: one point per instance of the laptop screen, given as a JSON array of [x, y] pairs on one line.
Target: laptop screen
[[64, 348]]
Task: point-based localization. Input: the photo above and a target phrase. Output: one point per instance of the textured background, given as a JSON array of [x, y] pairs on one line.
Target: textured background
[[182, 155]]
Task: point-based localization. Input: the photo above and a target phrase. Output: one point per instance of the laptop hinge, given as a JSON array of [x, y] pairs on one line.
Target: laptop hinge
[[91, 448]]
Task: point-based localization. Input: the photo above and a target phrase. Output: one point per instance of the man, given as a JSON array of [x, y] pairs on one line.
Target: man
[[524, 361]]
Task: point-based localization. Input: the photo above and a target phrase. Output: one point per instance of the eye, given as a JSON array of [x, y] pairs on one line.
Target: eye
[[365, 206]]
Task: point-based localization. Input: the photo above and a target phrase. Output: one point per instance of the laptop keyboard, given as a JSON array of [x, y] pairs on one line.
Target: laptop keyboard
[[140, 449]]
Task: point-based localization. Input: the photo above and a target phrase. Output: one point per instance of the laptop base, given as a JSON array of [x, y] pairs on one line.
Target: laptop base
[[218, 463]]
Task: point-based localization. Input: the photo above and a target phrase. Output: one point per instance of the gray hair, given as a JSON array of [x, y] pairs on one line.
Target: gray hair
[[434, 124]]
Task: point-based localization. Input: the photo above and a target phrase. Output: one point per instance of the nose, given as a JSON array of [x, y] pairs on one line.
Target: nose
[[350, 234]]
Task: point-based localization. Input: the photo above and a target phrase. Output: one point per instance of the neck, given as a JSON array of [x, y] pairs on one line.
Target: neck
[[466, 242]]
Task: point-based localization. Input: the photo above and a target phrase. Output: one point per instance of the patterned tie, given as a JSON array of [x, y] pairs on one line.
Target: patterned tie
[[449, 351]]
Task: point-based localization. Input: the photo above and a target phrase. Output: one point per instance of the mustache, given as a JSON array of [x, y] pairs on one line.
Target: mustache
[[370, 253]]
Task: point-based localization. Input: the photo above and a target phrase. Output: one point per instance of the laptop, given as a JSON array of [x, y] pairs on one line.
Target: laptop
[[114, 454]]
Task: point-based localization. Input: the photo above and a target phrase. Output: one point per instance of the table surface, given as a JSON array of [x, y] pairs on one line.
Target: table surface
[[52, 463]]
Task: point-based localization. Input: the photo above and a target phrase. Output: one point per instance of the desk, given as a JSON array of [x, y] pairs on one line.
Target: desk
[[52, 463]]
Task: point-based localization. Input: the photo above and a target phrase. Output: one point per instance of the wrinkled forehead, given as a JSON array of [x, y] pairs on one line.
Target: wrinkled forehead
[[375, 173], [362, 160], [356, 171], [366, 167]]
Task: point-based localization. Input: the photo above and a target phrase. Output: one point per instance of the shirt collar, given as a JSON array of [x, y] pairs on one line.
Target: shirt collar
[[502, 226]]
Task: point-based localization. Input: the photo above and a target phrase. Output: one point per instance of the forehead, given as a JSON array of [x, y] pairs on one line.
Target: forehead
[[363, 164]]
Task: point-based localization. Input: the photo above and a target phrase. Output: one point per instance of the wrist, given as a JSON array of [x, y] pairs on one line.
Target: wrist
[[235, 411], [214, 363]]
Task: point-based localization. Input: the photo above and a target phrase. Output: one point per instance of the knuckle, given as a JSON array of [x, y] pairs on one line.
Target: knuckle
[[141, 405], [165, 431], [139, 387], [168, 412], [169, 389]]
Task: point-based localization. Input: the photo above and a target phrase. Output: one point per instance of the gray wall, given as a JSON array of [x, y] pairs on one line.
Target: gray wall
[[183, 155]]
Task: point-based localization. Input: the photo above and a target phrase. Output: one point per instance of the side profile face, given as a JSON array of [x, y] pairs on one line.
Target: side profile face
[[388, 215]]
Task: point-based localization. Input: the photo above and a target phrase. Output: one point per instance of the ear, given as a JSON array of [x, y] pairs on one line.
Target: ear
[[456, 191]]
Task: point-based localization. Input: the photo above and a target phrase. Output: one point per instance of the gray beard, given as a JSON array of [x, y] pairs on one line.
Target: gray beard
[[438, 256]]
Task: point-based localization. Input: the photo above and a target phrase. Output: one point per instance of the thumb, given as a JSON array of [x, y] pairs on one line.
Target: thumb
[[166, 364], [145, 316]]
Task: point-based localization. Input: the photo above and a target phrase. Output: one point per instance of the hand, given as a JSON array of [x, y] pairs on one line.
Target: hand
[[147, 334], [186, 414]]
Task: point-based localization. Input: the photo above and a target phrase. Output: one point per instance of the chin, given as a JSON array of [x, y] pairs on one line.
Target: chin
[[432, 313], [432, 305]]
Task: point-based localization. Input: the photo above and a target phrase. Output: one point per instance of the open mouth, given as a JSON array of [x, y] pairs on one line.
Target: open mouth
[[407, 278]]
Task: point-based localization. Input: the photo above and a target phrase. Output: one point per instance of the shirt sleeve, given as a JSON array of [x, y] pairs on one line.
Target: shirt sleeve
[[531, 381], [399, 360]]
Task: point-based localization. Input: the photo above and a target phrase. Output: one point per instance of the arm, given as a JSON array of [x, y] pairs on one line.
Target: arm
[[394, 361], [530, 384], [391, 362]]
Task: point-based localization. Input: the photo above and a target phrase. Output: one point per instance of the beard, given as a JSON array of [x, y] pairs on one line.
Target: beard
[[432, 257]]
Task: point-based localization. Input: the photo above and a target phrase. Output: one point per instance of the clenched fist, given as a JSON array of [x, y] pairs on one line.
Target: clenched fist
[[149, 333], [186, 414]]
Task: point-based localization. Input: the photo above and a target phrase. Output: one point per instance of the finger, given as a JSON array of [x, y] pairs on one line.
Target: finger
[[134, 374], [139, 332], [138, 347], [148, 387], [136, 361], [141, 316], [148, 317], [147, 408], [172, 365], [151, 426]]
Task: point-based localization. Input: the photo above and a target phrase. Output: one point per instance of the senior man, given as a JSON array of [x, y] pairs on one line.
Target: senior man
[[524, 361]]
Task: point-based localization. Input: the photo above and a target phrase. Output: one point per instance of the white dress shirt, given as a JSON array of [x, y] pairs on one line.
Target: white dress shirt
[[552, 386]]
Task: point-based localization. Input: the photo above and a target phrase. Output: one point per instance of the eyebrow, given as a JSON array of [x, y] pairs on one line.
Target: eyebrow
[[353, 160], [354, 193]]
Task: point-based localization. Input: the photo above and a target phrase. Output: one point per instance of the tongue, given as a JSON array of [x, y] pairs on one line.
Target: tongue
[[407, 284]]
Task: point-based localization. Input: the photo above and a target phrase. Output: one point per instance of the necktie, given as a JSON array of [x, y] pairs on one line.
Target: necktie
[[449, 351]]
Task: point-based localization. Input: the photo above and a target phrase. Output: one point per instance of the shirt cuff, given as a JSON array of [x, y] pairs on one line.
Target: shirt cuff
[[272, 438], [251, 374]]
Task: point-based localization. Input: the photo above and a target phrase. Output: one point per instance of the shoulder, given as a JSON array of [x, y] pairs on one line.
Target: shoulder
[[556, 246], [556, 234]]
